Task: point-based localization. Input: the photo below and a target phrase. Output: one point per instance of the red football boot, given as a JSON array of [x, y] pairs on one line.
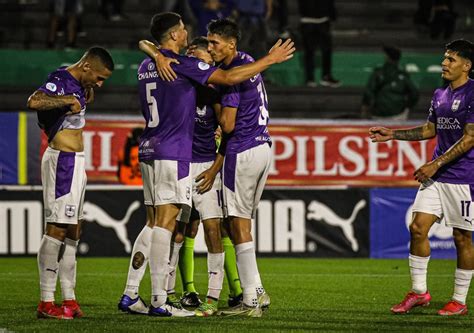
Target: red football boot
[[50, 310], [74, 307], [453, 308], [410, 301]]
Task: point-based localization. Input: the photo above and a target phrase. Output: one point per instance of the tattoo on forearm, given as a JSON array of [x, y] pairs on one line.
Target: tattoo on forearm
[[412, 134], [46, 102]]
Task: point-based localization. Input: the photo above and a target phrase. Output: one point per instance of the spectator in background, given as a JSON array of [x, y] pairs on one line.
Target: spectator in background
[[390, 93], [207, 10], [316, 17], [59, 9], [281, 11], [128, 165], [252, 17], [436, 17], [111, 9]]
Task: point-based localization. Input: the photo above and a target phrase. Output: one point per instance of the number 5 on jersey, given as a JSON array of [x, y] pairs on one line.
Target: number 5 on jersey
[[152, 105]]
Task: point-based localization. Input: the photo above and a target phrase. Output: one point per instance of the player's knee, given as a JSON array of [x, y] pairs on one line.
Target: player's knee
[[418, 231], [57, 231], [462, 238], [178, 237]]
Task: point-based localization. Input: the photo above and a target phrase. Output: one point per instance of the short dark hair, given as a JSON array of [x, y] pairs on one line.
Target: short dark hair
[[161, 23], [103, 55], [200, 42], [225, 28], [463, 48]]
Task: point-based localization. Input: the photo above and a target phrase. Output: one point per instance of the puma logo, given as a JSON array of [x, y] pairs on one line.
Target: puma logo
[[55, 271], [94, 213], [320, 212]]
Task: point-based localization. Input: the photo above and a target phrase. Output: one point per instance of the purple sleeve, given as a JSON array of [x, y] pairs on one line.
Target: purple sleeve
[[470, 110], [432, 114], [53, 86], [231, 97], [194, 69]]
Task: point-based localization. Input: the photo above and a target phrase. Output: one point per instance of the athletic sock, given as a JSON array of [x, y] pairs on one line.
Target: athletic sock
[[418, 271], [138, 262], [247, 265], [230, 267], [186, 265], [215, 267], [67, 269], [462, 280], [159, 258], [172, 267], [48, 266]]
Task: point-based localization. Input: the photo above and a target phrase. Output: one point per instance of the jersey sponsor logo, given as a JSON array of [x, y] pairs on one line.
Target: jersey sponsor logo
[[151, 66], [320, 212], [455, 105], [253, 79], [148, 75], [94, 213], [51, 86], [448, 123], [203, 66]]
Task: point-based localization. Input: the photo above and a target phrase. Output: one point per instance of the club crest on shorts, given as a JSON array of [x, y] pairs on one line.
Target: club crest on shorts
[[455, 105], [70, 210]]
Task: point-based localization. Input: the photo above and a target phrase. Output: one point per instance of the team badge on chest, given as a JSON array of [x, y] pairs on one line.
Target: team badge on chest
[[455, 105], [70, 210]]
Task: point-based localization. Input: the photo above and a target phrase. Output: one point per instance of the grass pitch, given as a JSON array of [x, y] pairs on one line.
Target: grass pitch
[[325, 295]]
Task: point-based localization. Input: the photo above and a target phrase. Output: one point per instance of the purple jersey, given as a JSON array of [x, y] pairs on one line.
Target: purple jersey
[[204, 143], [61, 83], [169, 108], [250, 99], [451, 110]]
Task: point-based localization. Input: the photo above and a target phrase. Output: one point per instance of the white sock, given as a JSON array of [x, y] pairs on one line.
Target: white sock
[[138, 262], [247, 267], [259, 288], [48, 266], [159, 258], [67, 269], [462, 280], [418, 271], [215, 268], [172, 267]]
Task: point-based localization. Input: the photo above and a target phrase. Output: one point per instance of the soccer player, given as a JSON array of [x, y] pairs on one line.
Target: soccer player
[[166, 150], [207, 202], [447, 181], [244, 119], [61, 106]]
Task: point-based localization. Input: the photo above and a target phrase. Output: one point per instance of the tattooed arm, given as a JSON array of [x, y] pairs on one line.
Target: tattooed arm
[[39, 101], [381, 134], [462, 146]]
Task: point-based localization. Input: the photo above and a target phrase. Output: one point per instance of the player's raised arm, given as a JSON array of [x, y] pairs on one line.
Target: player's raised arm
[[40, 101], [163, 64], [382, 134], [280, 52]]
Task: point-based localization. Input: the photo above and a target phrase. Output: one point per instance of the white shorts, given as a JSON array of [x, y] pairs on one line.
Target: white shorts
[[166, 182], [64, 179], [209, 204], [451, 203], [244, 177]]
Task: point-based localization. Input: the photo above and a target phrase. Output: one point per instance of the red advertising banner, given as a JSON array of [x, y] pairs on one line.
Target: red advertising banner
[[305, 155]]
